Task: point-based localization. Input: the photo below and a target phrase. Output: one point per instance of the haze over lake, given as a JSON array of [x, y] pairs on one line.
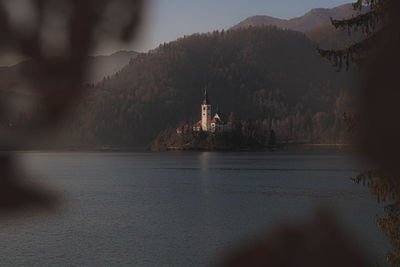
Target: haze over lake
[[180, 209]]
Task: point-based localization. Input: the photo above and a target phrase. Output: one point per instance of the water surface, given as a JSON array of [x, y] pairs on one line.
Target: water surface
[[180, 209]]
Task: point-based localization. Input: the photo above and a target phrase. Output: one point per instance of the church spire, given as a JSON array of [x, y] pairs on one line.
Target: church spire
[[206, 101]]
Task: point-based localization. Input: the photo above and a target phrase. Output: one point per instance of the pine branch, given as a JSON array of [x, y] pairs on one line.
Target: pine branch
[[382, 185], [350, 54], [372, 4], [367, 22]]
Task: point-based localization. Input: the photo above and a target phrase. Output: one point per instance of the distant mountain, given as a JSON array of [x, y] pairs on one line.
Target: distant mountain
[[103, 66], [315, 18], [316, 25]]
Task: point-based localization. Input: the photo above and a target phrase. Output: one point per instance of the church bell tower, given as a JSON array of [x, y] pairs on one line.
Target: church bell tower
[[206, 113]]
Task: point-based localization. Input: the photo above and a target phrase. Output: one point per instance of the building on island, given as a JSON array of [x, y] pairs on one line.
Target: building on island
[[218, 123]]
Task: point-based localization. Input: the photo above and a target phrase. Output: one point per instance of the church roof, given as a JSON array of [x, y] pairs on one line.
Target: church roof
[[216, 120], [221, 116], [205, 100]]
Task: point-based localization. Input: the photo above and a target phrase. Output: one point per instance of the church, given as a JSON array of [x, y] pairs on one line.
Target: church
[[218, 123]]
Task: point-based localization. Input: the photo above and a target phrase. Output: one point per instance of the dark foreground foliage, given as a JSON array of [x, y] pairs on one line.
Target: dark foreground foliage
[[383, 183]]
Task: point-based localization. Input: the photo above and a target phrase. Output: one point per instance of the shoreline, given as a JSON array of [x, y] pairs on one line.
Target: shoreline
[[292, 149]]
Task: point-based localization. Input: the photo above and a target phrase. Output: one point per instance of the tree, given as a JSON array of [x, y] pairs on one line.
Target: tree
[[385, 188], [368, 22], [382, 184], [272, 141]]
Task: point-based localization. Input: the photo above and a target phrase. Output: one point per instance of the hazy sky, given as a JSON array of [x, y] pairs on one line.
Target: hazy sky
[[167, 20]]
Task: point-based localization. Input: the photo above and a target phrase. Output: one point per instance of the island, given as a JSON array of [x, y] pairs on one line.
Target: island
[[219, 133]]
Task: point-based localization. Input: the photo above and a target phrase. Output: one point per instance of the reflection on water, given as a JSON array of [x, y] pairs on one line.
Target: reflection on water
[[205, 159], [180, 209]]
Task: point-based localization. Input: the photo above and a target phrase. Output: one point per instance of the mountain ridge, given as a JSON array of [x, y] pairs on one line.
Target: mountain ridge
[[315, 18], [101, 66], [106, 65]]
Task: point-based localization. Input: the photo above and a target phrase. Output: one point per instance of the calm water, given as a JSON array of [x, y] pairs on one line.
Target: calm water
[[179, 209]]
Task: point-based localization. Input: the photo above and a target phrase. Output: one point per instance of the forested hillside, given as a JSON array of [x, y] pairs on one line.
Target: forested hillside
[[259, 73]]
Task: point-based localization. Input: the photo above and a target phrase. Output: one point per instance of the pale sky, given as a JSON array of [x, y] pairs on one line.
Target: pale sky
[[167, 20]]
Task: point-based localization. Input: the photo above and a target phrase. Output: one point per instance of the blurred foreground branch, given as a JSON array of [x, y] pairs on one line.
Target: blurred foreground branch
[[57, 36]]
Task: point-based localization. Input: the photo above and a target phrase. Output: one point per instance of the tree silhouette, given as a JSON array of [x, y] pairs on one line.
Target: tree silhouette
[[383, 185], [272, 140], [367, 22]]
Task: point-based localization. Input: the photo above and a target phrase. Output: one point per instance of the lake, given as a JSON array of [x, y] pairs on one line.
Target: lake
[[180, 208]]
